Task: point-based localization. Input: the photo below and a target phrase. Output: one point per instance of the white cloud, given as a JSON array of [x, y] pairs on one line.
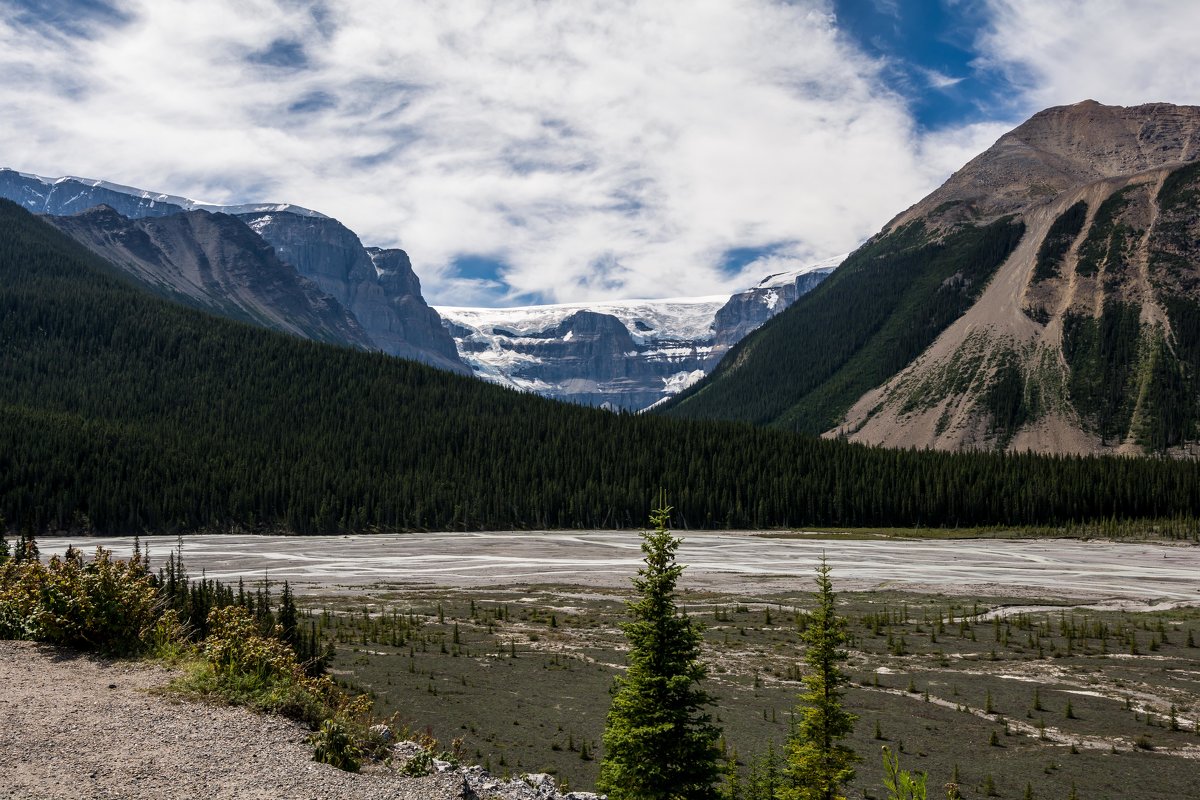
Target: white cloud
[[600, 148], [1058, 52], [940, 80]]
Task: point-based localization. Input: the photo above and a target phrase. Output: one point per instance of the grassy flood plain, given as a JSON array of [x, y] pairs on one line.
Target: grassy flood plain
[[522, 675]]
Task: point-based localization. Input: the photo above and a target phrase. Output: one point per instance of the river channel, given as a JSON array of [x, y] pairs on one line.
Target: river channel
[[735, 562]]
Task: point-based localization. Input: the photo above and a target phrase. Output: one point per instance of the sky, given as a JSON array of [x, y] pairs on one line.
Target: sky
[[527, 151]]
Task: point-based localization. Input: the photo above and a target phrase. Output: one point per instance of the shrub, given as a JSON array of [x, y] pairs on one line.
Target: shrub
[[248, 668], [332, 744], [419, 763], [106, 605]]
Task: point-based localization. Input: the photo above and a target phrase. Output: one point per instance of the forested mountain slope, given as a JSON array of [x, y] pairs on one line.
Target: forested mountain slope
[[1046, 297], [123, 412]]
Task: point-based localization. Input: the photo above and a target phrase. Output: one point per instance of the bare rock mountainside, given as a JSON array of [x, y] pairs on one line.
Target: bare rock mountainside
[[319, 281], [627, 354], [216, 263], [378, 286], [1046, 298]]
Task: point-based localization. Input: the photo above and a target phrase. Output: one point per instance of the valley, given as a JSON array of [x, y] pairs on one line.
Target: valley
[[412, 527]]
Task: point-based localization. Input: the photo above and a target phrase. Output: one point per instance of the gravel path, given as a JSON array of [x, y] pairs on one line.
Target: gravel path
[[76, 727]]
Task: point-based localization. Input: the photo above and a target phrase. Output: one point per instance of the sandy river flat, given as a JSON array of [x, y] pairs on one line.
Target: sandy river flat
[[1093, 571]]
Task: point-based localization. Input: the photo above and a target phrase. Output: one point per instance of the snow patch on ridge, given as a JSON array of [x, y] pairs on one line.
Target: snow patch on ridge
[[674, 384], [785, 278], [185, 203]]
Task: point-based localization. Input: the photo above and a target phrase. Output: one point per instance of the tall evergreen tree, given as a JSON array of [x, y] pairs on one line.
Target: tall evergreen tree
[[818, 764], [660, 742], [289, 616]]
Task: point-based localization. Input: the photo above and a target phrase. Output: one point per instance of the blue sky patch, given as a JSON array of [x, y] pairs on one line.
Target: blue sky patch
[[478, 267], [929, 48], [283, 53], [76, 18], [735, 259]]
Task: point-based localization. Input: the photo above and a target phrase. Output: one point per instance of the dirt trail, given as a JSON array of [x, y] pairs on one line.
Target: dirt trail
[[76, 727]]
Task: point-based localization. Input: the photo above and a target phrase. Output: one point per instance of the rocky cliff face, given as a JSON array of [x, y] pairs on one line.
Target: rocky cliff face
[[380, 289], [1045, 298], [628, 354], [747, 311], [214, 262]]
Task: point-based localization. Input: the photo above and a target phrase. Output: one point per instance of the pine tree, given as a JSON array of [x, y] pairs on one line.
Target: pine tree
[[818, 765], [764, 778], [4, 545], [659, 741], [288, 616], [900, 784]]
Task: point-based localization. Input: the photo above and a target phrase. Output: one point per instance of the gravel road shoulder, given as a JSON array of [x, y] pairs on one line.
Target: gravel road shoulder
[[72, 726]]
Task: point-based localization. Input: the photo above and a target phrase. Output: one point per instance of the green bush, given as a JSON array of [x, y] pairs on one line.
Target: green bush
[[247, 668], [332, 744], [419, 764], [115, 607], [105, 605]]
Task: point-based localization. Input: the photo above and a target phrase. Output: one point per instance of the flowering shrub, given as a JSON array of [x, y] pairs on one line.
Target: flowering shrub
[[263, 672], [105, 604]]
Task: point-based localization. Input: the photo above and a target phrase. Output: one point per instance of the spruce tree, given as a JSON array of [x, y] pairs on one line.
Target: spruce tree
[[818, 764], [289, 617], [660, 742]]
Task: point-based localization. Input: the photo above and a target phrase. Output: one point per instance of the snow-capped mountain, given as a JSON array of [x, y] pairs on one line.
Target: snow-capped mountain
[[627, 354], [70, 195], [323, 282], [747, 310], [622, 353]]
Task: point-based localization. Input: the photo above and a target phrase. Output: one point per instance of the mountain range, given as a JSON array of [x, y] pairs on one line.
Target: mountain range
[[301, 272], [279, 265], [628, 354], [124, 412], [1045, 298]]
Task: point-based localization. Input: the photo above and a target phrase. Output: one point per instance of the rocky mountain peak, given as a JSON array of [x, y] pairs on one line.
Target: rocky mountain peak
[[1058, 149], [214, 262], [1044, 298], [379, 288]]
